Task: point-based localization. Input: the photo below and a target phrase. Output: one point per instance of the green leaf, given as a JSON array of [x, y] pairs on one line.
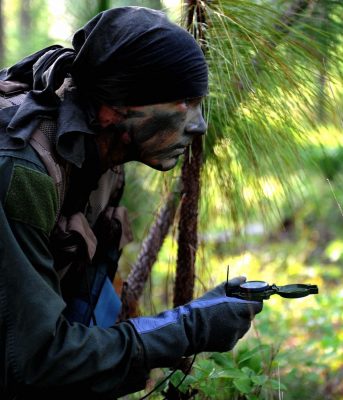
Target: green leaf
[[252, 397], [248, 371], [275, 385], [223, 359], [189, 381], [251, 353], [232, 373], [243, 385], [259, 380], [176, 377], [205, 365]]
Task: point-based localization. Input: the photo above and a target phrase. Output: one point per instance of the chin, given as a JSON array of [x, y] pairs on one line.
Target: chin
[[165, 165]]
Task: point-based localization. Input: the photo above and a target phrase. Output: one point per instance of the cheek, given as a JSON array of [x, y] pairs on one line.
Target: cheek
[[160, 128], [182, 108], [163, 140], [106, 117]]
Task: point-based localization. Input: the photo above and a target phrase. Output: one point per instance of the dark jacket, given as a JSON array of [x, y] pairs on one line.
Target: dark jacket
[[42, 354]]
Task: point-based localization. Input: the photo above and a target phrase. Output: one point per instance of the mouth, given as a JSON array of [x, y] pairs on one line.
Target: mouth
[[163, 161], [178, 152], [170, 152]]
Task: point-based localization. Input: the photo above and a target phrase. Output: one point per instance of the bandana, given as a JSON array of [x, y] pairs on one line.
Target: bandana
[[123, 56], [136, 56]]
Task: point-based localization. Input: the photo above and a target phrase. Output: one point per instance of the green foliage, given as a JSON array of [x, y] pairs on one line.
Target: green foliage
[[267, 162], [228, 376], [294, 349], [261, 106]]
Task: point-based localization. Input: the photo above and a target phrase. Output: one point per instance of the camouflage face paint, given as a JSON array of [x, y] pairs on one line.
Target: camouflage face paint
[[161, 132], [155, 135]]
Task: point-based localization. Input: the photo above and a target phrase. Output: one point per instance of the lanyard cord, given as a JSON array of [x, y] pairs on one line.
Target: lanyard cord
[[168, 377], [91, 306]]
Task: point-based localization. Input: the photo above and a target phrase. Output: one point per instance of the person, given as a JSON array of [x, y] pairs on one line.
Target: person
[[129, 89]]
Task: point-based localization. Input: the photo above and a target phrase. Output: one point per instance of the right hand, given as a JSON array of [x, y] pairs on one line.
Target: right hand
[[213, 322]]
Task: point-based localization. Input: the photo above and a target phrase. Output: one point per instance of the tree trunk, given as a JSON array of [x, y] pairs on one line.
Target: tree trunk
[[25, 18], [188, 233], [292, 14], [2, 31], [133, 287], [103, 5], [188, 224]]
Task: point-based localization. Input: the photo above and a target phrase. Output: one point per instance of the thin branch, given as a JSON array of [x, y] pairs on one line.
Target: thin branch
[[134, 286]]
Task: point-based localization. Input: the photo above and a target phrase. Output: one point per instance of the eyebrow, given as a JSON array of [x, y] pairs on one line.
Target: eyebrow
[[135, 114], [194, 100]]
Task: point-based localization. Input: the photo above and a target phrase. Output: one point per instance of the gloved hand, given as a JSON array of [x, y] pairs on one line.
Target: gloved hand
[[213, 322]]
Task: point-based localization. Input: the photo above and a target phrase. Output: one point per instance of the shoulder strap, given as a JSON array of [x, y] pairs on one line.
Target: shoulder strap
[[11, 93], [44, 148], [12, 88]]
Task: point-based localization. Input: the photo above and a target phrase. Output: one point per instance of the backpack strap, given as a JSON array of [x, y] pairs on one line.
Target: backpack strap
[[12, 93], [12, 88], [44, 148]]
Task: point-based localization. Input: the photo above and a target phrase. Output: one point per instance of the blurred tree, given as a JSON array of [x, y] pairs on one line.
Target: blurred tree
[[103, 5], [25, 28], [2, 48], [83, 10], [25, 18]]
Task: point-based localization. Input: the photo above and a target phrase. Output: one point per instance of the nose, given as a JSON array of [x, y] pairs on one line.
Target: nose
[[197, 125]]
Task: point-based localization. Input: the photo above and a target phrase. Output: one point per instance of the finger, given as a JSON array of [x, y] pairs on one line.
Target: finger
[[237, 281]]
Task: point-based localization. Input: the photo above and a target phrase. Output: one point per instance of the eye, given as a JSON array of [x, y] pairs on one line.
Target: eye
[[193, 102]]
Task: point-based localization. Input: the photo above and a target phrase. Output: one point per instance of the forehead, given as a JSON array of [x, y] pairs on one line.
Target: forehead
[[174, 106]]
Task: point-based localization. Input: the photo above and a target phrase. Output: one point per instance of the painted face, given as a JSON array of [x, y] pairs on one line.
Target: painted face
[[155, 134]]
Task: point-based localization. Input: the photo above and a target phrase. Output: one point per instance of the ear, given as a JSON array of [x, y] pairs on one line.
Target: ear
[[111, 115]]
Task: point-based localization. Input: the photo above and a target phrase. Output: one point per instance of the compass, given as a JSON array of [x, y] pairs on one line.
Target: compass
[[260, 290]]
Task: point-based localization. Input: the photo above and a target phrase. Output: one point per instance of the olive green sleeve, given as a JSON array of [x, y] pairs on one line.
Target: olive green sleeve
[[42, 351], [31, 198]]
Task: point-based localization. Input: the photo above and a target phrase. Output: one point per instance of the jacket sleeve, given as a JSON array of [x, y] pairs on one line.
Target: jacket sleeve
[[40, 349]]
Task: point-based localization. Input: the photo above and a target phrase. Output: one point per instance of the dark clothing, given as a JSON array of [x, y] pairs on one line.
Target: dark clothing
[[39, 348], [16, 127], [130, 56]]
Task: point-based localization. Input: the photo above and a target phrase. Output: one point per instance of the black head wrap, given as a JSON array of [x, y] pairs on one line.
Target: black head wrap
[[136, 56], [123, 56]]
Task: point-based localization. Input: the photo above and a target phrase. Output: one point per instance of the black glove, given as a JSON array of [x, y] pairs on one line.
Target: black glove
[[213, 322]]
